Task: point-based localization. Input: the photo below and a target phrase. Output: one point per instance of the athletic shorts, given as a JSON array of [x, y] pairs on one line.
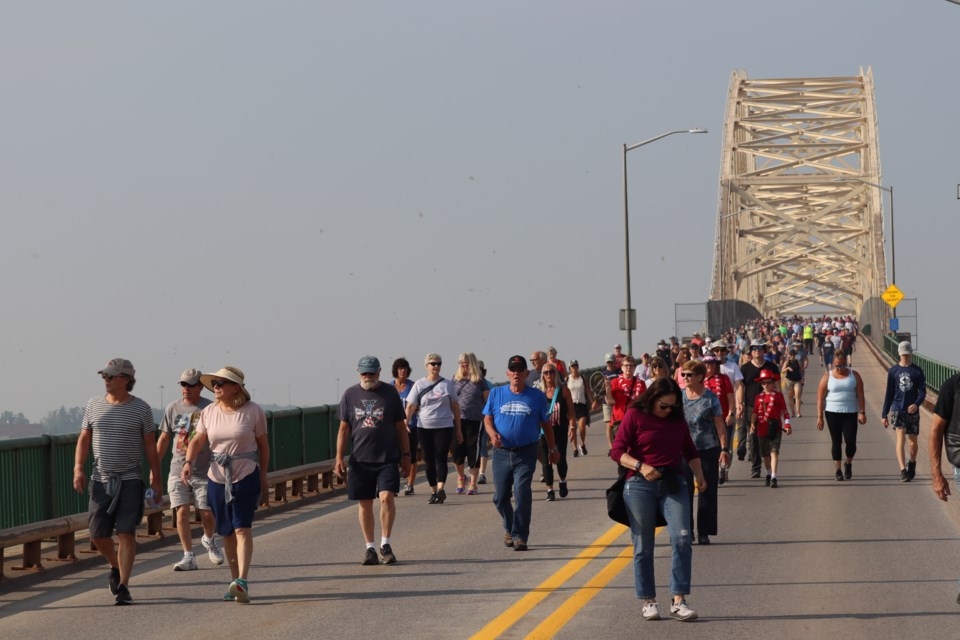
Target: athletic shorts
[[126, 516], [770, 445], [368, 479], [607, 414], [239, 513], [581, 410], [185, 494], [909, 422]]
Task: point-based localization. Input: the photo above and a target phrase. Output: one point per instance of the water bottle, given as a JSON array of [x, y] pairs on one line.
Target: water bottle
[[151, 498]]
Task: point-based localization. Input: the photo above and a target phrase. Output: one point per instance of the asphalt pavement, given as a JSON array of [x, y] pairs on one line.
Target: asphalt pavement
[[867, 558]]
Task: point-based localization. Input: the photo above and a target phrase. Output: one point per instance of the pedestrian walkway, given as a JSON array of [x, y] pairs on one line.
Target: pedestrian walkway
[[867, 558]]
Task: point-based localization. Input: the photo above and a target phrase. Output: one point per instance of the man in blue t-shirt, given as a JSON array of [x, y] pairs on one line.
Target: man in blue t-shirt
[[514, 417], [906, 390]]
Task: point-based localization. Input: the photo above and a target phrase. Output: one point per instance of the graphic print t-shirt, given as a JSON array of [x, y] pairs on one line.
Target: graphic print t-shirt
[[372, 416], [180, 421]]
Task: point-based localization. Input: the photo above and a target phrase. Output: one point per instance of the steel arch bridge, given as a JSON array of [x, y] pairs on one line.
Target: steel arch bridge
[[798, 228]]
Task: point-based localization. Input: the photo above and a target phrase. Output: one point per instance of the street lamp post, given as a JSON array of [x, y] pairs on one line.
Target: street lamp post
[[893, 241], [626, 225]]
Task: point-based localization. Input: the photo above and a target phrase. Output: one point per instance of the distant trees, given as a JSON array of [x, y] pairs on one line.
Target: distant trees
[[63, 420], [9, 417]]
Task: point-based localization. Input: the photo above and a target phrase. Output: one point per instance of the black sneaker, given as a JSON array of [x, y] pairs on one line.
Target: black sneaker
[[123, 596], [904, 475], [387, 553], [441, 496], [767, 481], [576, 452], [481, 479], [370, 557], [773, 483], [114, 580], [703, 539], [551, 496], [847, 470], [755, 474], [912, 469], [408, 490], [564, 492], [583, 449], [433, 497], [839, 475]]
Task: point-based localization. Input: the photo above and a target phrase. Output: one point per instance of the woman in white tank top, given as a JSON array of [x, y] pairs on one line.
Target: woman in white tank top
[[840, 401], [583, 404]]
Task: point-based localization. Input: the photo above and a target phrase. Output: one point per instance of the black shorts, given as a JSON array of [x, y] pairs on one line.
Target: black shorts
[[126, 516], [909, 422], [367, 479], [581, 410]]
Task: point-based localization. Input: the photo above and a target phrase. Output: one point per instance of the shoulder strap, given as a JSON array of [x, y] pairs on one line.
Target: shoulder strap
[[427, 390]]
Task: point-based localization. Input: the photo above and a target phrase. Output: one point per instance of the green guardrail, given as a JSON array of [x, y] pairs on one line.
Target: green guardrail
[[36, 474], [936, 372]]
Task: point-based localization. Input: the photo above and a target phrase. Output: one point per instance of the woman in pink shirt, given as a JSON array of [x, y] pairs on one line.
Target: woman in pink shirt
[[236, 429]]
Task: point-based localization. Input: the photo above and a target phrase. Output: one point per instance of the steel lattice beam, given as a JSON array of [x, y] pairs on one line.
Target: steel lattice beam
[[795, 231]]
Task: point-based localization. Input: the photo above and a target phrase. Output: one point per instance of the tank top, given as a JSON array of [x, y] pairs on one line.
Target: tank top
[[842, 394], [576, 389], [559, 414]]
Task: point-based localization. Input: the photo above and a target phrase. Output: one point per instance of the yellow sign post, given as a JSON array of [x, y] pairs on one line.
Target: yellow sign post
[[892, 296]]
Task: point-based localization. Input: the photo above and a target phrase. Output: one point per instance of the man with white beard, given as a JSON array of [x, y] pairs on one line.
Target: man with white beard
[[373, 421]]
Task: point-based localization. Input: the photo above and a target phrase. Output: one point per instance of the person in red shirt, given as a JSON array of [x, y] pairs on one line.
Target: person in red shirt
[[620, 392], [618, 355], [720, 384], [769, 407]]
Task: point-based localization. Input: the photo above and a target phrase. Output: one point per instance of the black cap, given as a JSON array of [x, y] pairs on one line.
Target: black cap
[[517, 363]]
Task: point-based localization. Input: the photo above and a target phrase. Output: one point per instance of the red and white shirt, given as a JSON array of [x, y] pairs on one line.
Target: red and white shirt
[[623, 390], [767, 406]]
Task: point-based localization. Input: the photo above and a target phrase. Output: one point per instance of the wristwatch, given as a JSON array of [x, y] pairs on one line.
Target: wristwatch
[[724, 450], [554, 450]]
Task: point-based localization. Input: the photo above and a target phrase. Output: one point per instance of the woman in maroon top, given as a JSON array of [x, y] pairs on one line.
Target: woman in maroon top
[[652, 442]]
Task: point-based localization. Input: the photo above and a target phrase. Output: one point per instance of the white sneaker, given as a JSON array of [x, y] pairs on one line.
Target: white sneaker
[[213, 549], [187, 563], [681, 611], [651, 611]]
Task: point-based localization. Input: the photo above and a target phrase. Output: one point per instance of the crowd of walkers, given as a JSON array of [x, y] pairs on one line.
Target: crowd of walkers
[[673, 421]]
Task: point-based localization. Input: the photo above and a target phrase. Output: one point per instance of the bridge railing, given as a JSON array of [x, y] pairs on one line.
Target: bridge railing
[[936, 372]]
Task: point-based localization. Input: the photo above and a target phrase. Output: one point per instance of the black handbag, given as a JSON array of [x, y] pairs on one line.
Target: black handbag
[[617, 508]]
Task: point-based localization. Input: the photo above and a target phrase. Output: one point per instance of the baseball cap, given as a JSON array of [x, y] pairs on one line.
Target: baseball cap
[[574, 363], [118, 366], [609, 358], [517, 363], [191, 376], [368, 364], [905, 348]]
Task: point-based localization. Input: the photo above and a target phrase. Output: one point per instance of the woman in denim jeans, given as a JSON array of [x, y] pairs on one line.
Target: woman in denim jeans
[[652, 442]]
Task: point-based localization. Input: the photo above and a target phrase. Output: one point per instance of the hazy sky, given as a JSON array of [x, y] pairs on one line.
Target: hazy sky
[[287, 186]]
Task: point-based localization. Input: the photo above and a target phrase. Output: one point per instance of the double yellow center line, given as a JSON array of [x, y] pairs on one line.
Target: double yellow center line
[[565, 612]]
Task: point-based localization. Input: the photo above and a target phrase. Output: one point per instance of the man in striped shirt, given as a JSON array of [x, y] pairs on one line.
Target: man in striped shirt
[[120, 427]]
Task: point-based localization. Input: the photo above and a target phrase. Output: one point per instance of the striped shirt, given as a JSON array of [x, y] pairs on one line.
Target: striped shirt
[[118, 431]]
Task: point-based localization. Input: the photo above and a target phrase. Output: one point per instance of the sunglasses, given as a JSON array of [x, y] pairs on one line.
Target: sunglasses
[[107, 377], [216, 384], [686, 375], [656, 366], [551, 372], [768, 381], [434, 364], [186, 384], [664, 406]]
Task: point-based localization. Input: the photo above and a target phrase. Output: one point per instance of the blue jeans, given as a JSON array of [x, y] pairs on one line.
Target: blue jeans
[[513, 475], [643, 498]]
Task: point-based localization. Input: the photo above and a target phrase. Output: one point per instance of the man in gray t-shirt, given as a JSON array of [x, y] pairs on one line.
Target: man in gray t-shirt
[[179, 424]]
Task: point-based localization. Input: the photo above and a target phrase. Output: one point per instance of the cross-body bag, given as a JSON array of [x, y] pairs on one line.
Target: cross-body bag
[[427, 390]]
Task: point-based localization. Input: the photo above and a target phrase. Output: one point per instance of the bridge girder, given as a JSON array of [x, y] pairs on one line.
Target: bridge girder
[[796, 230]]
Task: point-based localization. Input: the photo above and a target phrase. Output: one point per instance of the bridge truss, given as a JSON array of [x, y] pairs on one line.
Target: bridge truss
[[798, 229]]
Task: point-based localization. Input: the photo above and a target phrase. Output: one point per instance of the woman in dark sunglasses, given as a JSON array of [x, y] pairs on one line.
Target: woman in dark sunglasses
[[651, 444]]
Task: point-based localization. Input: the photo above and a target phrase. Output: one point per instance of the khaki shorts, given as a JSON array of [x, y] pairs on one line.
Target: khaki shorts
[[770, 445], [181, 494], [788, 387]]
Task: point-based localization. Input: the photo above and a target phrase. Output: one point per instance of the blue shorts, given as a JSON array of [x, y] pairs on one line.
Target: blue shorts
[[239, 513], [367, 479]]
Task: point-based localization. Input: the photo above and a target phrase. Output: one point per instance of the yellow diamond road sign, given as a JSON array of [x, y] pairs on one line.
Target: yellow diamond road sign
[[892, 296]]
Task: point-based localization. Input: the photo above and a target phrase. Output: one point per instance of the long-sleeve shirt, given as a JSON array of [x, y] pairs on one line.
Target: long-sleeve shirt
[[658, 442], [768, 406], [905, 386]]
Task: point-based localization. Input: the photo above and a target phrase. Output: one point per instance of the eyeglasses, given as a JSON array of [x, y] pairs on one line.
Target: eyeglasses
[[462, 362], [216, 384], [687, 374], [186, 384], [627, 365], [664, 406], [434, 364]]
